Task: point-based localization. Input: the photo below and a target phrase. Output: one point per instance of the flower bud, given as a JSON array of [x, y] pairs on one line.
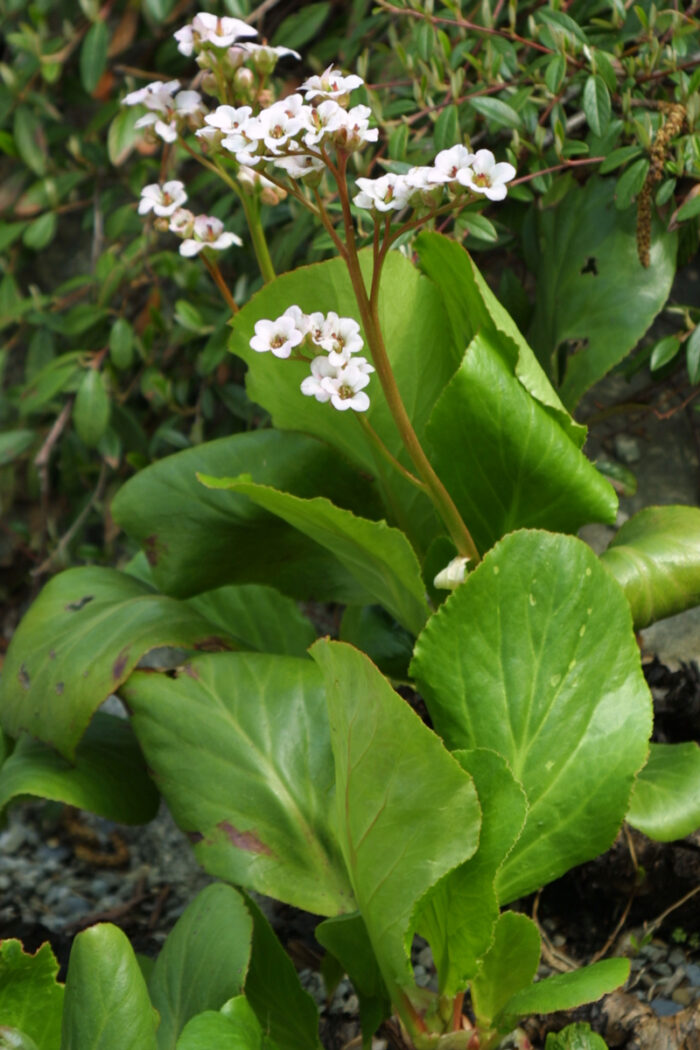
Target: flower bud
[[272, 195], [452, 575], [244, 80]]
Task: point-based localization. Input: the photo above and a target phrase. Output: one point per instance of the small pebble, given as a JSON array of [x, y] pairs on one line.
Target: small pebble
[[692, 972], [677, 957], [683, 996], [665, 1007], [663, 969]]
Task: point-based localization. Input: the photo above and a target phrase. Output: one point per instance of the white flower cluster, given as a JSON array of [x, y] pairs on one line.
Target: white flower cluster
[[197, 231], [212, 39], [455, 168], [168, 112], [338, 376], [291, 132]]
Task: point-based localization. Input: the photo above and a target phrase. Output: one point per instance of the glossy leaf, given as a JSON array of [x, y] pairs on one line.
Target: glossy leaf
[[565, 991], [515, 467], [80, 640], [197, 539], [510, 966], [30, 139], [257, 618], [665, 802], [106, 1004], [286, 1013], [392, 776], [204, 960], [93, 55], [31, 999], [107, 776], [412, 320], [596, 104], [92, 408], [458, 917], [592, 287], [655, 558], [664, 351], [381, 558], [14, 443], [512, 662], [239, 746], [473, 309]]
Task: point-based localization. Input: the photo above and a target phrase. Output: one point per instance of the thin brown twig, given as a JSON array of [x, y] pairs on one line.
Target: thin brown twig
[[42, 460], [75, 526]]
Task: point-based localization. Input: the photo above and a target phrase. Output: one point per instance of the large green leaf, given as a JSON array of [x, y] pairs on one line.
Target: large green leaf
[[400, 797], [472, 307], [198, 539], [591, 286], [534, 656], [106, 1003], [108, 775], [31, 999], [504, 456], [257, 618], [665, 802], [459, 915], [655, 557], [509, 966], [239, 745], [209, 1029], [422, 353], [204, 960], [287, 1014], [381, 558], [79, 641]]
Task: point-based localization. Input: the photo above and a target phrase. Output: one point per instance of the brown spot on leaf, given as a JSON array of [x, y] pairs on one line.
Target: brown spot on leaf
[[154, 547], [189, 670], [194, 837], [213, 644], [52, 654], [120, 664], [246, 840], [60, 686], [23, 676], [79, 603]]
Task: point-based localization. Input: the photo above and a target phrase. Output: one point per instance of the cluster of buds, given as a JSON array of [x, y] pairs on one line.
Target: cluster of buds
[[196, 231], [170, 111], [455, 169], [293, 132], [338, 374]]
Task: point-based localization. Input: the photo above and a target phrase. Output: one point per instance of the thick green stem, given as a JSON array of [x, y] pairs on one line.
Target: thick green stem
[[374, 437], [439, 495], [257, 235]]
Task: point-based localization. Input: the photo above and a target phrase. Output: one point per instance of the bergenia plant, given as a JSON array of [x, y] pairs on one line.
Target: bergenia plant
[[422, 473]]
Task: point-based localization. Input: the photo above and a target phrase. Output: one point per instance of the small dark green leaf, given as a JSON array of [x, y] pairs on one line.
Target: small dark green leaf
[[554, 73], [498, 113], [630, 183], [30, 139], [479, 227], [40, 232], [692, 349], [596, 104], [297, 29], [664, 351], [689, 208], [93, 55], [121, 343], [92, 408], [618, 157], [13, 443], [446, 130], [122, 134]]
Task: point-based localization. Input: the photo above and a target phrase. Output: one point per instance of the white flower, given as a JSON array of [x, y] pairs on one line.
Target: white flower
[[166, 114], [297, 166], [350, 128], [182, 223], [277, 125], [206, 28], [228, 119], [280, 336], [319, 118], [451, 161], [166, 130], [331, 84], [426, 178], [452, 575], [188, 104], [208, 232], [156, 96], [486, 176], [387, 193], [341, 338], [312, 386], [162, 200], [346, 388]]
